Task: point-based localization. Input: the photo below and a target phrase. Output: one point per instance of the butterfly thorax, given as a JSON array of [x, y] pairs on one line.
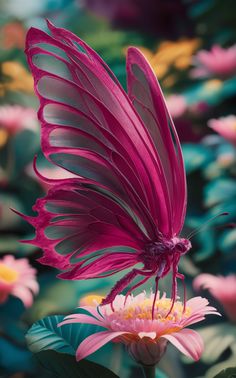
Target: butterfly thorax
[[163, 252]]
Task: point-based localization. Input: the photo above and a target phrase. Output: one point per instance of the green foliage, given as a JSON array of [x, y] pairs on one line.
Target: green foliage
[[45, 334], [62, 365], [227, 373], [196, 157]]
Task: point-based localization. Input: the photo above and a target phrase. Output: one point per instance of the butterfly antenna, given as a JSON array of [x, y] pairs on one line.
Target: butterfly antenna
[[205, 224]]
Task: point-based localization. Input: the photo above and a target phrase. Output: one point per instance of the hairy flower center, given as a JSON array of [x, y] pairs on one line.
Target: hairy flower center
[[143, 310], [8, 275]]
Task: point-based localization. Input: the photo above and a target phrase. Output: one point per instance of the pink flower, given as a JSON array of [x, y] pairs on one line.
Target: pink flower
[[146, 339], [14, 118], [222, 288], [177, 105], [225, 126], [219, 62], [17, 278]]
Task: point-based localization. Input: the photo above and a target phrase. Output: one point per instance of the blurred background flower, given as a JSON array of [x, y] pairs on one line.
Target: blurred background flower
[[16, 118], [218, 62], [221, 337], [17, 278], [225, 126], [15, 77], [222, 288], [162, 18]]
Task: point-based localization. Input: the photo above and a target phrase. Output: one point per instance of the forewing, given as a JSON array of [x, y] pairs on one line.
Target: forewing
[[90, 127], [147, 98]]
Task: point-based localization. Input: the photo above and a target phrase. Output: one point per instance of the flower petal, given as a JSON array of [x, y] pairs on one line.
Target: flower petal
[[189, 342], [24, 294], [151, 335], [94, 342]]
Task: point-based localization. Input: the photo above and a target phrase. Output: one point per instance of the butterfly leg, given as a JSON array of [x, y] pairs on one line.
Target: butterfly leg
[[135, 287], [123, 283], [182, 278], [119, 286], [174, 285], [155, 296]]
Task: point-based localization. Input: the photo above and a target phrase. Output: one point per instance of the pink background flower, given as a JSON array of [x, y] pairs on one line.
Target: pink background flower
[[219, 62], [225, 126], [177, 105], [131, 323], [17, 278], [14, 118], [222, 288]]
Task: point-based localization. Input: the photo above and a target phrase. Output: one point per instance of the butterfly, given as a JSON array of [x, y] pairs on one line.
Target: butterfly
[[126, 204]]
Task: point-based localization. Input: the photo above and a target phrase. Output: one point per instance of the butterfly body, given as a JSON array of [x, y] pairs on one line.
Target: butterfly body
[[127, 202], [163, 253]]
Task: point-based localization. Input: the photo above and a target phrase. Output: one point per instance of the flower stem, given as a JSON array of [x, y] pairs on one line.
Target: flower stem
[[149, 371]]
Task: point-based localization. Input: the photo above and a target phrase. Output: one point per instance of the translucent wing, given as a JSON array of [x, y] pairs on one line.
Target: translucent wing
[[85, 232], [147, 98], [126, 157], [90, 127]]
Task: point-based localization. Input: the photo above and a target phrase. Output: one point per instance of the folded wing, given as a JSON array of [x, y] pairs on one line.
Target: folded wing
[[91, 128], [147, 98]]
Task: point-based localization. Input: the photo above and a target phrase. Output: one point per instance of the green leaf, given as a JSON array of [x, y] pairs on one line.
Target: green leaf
[[227, 241], [11, 244], [219, 190], [196, 157], [24, 146], [227, 373], [8, 219], [217, 338], [45, 334], [64, 365]]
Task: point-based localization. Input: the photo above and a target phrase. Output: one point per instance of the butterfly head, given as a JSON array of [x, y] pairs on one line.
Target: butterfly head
[[181, 245]]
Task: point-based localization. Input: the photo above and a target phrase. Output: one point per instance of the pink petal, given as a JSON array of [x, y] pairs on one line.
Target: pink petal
[[189, 342], [151, 335], [23, 294], [94, 342]]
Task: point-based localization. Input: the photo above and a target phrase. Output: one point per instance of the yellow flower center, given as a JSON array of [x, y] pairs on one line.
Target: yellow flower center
[[8, 275], [91, 300], [3, 137], [213, 85], [162, 306]]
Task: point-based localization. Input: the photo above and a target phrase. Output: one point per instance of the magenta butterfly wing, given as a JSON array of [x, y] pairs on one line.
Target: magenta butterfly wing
[[127, 203], [148, 100]]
